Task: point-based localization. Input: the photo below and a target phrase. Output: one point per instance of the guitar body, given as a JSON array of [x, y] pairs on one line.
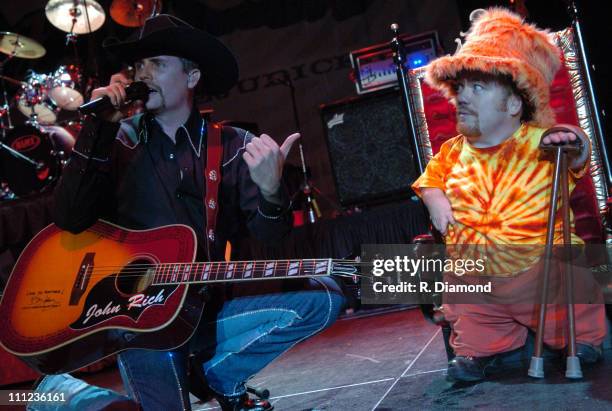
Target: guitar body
[[74, 299]]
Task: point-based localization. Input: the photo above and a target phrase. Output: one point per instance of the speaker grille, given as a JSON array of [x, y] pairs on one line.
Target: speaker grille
[[369, 148]]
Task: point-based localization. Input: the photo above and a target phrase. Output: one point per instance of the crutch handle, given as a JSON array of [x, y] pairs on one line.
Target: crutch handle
[[575, 146]]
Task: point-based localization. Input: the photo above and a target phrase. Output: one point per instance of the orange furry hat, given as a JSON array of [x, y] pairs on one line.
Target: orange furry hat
[[499, 42]]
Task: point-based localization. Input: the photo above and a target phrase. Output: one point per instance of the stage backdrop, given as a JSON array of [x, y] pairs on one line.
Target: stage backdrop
[[314, 55]]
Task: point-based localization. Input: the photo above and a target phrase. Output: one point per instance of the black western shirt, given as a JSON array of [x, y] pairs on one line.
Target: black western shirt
[[132, 174]]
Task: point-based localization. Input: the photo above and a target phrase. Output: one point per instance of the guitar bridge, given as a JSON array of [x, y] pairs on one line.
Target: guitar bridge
[[82, 278]]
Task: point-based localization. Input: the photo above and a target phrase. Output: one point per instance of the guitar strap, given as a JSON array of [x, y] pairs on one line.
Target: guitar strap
[[212, 179]]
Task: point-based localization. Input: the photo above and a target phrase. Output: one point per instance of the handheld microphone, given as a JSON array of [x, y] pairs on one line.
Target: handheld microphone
[[134, 91]]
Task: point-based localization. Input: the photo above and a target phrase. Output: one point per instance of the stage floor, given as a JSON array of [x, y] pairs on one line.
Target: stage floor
[[396, 361]]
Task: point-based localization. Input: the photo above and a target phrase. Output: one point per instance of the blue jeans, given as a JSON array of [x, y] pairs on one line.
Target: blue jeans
[[248, 331]]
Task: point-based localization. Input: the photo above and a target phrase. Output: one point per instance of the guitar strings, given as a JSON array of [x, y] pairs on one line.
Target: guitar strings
[[165, 270], [258, 264]]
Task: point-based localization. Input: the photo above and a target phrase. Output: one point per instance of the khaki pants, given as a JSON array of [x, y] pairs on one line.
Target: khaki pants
[[485, 329]]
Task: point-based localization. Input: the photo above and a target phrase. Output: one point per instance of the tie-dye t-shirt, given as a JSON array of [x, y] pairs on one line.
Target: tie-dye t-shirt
[[499, 195]]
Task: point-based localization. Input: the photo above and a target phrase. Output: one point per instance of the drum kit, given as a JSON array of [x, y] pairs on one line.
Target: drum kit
[[32, 155]]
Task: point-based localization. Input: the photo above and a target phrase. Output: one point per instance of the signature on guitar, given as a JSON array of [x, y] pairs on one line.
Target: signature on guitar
[[42, 300]]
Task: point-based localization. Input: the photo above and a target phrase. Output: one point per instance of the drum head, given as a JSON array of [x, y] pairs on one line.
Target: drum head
[[66, 97], [46, 113], [33, 99], [22, 176], [63, 90]]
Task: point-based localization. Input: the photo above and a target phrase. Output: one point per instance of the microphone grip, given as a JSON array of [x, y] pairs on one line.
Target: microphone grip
[[96, 106], [135, 91]]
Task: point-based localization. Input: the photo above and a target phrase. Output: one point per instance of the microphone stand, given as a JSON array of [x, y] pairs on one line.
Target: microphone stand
[[399, 58], [5, 109], [84, 83], [312, 208], [430, 311]]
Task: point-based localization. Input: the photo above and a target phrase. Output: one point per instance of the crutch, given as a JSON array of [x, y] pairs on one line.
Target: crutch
[[561, 151]]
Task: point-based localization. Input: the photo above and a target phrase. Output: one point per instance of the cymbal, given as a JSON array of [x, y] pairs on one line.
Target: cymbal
[[89, 15], [133, 13], [20, 46]]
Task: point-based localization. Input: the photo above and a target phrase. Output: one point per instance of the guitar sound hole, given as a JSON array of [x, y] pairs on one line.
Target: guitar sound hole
[[135, 277]]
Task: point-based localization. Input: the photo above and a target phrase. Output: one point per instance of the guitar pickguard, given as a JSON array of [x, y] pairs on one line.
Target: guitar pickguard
[[104, 303]]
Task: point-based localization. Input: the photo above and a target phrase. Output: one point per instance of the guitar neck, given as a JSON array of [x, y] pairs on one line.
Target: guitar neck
[[233, 271]]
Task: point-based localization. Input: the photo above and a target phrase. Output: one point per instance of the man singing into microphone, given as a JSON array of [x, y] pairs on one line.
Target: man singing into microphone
[[148, 171]]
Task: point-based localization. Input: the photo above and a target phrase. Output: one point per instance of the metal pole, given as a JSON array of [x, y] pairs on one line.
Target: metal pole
[[399, 59], [536, 367], [572, 369], [599, 133], [312, 213]]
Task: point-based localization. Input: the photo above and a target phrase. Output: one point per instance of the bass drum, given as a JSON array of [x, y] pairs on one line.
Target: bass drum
[[21, 175]]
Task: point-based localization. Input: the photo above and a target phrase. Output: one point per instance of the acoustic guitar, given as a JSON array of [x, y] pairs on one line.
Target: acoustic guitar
[[73, 299]]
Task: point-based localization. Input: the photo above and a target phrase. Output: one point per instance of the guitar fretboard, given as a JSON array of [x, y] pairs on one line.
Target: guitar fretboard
[[223, 271]]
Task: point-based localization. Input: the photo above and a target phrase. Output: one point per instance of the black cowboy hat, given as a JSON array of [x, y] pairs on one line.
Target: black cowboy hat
[[171, 36]]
